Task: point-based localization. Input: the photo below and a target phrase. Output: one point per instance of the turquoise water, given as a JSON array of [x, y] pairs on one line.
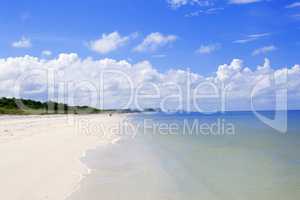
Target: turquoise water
[[252, 162]]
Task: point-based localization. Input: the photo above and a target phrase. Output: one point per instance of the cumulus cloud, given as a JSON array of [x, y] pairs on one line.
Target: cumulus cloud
[[207, 49], [243, 1], [109, 42], [264, 50], [293, 5], [22, 43], [178, 3], [112, 83], [154, 41]]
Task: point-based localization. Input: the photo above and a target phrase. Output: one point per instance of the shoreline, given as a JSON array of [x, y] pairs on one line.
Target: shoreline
[[43, 154]]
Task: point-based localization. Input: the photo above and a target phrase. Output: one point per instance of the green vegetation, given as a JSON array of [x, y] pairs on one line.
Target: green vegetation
[[14, 106]]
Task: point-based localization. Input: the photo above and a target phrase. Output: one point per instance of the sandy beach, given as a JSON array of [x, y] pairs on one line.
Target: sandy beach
[[41, 154]]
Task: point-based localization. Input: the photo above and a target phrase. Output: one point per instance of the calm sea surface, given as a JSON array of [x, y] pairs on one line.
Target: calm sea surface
[[195, 156]]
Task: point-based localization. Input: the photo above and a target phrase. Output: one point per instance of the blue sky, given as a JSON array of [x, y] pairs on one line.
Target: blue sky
[[64, 26], [231, 43]]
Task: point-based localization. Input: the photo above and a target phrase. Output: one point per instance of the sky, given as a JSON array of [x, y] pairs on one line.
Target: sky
[[168, 35]]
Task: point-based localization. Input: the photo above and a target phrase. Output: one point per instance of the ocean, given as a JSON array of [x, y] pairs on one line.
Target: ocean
[[180, 156]]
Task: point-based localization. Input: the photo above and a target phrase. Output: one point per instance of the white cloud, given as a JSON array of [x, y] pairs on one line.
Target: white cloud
[[154, 41], [243, 1], [22, 43], [46, 53], [251, 38], [83, 75], [293, 5], [178, 3], [209, 11], [243, 41], [207, 49], [264, 50], [159, 56], [109, 42], [259, 35], [296, 16], [25, 16]]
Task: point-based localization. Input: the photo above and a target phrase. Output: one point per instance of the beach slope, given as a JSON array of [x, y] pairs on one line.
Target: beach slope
[[40, 155]]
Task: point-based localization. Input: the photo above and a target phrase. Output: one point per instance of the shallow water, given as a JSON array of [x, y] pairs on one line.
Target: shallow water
[[256, 162]]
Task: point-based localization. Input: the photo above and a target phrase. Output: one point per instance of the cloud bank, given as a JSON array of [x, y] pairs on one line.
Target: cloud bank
[[108, 83]]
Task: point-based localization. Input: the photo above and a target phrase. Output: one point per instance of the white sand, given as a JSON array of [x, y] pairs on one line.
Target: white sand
[[40, 155]]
